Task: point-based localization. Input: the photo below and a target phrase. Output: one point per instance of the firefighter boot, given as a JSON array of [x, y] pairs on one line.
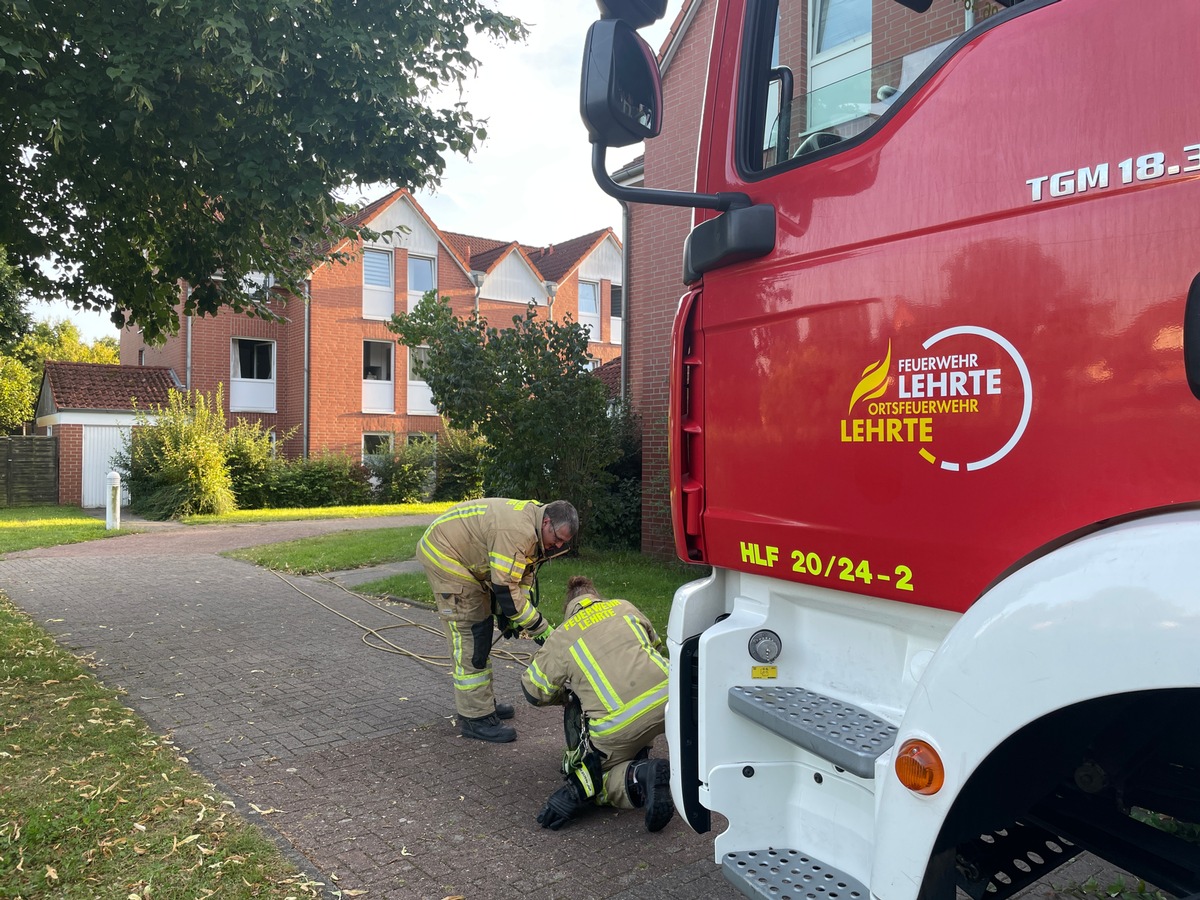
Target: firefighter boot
[[648, 782], [504, 711], [487, 728]]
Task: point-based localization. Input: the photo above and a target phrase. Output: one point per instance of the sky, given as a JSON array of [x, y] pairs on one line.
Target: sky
[[531, 181]]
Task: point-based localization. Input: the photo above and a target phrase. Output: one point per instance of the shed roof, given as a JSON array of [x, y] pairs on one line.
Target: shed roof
[[99, 386]]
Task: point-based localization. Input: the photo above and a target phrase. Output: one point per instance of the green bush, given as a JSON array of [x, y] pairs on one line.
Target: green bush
[[329, 480], [459, 471], [615, 522], [253, 466], [403, 475], [175, 466]]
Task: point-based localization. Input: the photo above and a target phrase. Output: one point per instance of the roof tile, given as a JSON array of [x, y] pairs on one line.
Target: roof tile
[[76, 385]]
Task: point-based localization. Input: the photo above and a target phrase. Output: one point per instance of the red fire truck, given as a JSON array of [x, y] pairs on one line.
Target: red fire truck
[[935, 383]]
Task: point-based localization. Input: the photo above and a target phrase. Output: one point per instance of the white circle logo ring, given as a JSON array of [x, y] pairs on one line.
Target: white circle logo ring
[[1026, 383]]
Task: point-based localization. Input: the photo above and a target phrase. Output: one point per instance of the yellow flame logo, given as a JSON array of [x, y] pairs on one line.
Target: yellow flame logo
[[874, 380]]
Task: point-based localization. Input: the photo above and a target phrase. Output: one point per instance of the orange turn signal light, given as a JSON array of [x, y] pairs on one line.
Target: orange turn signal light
[[919, 767]]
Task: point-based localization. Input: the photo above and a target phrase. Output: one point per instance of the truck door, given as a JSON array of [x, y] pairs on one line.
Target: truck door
[[924, 382]]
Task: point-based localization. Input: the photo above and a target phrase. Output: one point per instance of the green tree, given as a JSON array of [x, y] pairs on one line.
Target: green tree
[[16, 394], [14, 318], [528, 392], [61, 341], [25, 360], [146, 142]]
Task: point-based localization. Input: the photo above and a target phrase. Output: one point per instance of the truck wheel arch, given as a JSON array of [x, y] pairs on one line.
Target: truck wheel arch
[[1046, 654]]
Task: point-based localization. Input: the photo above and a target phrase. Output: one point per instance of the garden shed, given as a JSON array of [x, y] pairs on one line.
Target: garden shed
[[89, 407]]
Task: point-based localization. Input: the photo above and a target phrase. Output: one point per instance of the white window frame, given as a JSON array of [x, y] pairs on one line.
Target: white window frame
[[591, 319], [251, 394], [415, 295], [420, 396], [390, 440], [849, 59], [616, 321], [379, 300], [379, 393]]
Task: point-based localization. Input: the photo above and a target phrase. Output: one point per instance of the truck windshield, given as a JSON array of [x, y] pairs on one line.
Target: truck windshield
[[823, 71]]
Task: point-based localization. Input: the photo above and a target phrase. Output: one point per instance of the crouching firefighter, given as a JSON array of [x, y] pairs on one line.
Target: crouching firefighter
[[603, 664], [480, 553]]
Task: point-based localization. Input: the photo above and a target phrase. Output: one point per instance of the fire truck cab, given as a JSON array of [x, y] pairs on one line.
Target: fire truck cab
[[934, 392]]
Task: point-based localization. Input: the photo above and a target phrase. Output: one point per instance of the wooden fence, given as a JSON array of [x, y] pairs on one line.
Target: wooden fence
[[29, 474]]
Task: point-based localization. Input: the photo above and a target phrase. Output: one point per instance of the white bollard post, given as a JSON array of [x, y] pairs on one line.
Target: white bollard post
[[112, 516]]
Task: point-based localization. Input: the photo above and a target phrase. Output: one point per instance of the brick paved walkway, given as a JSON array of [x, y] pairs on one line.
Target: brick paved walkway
[[353, 752], [282, 704]]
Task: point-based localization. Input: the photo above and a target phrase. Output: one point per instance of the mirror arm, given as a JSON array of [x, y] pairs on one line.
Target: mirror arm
[[720, 201]]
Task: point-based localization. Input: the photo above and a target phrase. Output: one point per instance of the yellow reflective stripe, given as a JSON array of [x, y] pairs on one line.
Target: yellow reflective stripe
[[539, 679], [458, 512], [473, 682], [644, 639], [506, 565], [528, 617], [595, 675], [464, 681], [440, 560], [630, 713]]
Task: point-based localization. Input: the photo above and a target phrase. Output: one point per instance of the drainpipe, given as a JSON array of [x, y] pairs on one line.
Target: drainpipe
[[627, 228], [969, 17], [307, 345], [188, 362], [477, 279]]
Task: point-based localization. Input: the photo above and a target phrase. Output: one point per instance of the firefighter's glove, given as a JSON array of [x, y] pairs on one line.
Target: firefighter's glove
[[540, 630], [507, 629], [561, 807]]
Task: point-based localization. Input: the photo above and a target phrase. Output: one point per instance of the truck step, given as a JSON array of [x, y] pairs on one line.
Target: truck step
[[788, 875], [846, 735], [1003, 862]]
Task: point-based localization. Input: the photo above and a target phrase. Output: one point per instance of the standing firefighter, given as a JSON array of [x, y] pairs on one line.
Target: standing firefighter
[[480, 558], [602, 663]]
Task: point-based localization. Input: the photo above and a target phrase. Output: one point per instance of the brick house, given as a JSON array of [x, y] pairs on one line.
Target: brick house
[[89, 407], [332, 374], [655, 235]]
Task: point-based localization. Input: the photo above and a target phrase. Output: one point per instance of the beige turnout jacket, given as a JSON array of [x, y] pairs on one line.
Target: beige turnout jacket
[[604, 653], [493, 543]]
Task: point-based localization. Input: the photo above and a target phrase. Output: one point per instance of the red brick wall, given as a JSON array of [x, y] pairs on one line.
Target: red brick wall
[[896, 30], [70, 464], [336, 331], [656, 271], [171, 354]]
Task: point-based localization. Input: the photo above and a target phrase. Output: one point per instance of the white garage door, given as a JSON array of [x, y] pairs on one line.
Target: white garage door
[[100, 442]]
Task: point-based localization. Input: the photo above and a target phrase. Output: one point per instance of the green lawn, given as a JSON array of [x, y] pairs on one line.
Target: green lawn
[[333, 552], [243, 516], [93, 804], [26, 527], [647, 583]]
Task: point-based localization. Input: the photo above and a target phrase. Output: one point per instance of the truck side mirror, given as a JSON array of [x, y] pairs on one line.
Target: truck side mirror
[[637, 13], [620, 96]]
